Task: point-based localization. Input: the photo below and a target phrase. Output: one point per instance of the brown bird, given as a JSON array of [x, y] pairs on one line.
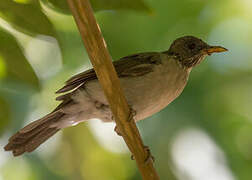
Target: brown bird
[[150, 82]]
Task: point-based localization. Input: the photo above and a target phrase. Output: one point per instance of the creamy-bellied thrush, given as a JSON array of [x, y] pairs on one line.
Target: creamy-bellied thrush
[[150, 82]]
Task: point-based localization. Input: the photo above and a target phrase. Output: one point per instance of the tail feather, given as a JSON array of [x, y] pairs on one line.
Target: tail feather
[[40, 138], [34, 134], [40, 122]]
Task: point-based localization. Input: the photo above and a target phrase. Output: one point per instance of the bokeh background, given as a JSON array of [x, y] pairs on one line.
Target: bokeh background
[[205, 134]]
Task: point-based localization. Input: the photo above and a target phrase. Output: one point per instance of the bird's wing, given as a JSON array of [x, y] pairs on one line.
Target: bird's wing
[[133, 65]]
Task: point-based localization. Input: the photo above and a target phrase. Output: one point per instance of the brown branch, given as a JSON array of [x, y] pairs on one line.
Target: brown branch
[[102, 63]]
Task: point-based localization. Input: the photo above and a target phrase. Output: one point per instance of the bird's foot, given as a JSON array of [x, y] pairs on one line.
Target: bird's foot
[[130, 118], [132, 114], [117, 131], [149, 156]]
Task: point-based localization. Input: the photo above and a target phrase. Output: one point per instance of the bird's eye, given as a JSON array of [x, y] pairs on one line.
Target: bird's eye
[[191, 46]]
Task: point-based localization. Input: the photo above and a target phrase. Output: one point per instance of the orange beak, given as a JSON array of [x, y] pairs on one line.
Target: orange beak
[[215, 49]]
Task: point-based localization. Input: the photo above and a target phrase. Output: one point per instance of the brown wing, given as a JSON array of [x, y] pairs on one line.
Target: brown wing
[[133, 65], [78, 80]]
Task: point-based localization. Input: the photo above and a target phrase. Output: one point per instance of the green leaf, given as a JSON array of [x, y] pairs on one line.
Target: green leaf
[[13, 63], [4, 114], [98, 5], [27, 18]]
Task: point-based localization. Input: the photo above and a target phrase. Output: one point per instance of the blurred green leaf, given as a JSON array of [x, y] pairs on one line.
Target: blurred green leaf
[[2, 68], [27, 18], [98, 5], [16, 65], [137, 5], [4, 114], [59, 6]]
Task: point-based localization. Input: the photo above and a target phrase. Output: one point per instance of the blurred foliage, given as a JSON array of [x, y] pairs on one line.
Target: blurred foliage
[[5, 114], [216, 101], [27, 18], [15, 63], [98, 5]]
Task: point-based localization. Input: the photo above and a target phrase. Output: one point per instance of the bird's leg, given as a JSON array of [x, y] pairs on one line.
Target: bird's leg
[[149, 156], [132, 114]]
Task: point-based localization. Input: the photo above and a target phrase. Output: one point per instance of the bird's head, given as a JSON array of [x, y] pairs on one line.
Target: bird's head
[[191, 50]]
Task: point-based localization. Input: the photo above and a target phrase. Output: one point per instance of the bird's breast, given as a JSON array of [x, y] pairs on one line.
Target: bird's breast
[[151, 93]]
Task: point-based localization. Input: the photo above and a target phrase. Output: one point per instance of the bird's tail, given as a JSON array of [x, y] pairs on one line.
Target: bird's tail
[[34, 134]]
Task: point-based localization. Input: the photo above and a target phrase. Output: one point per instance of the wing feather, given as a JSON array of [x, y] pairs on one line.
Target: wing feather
[[133, 65]]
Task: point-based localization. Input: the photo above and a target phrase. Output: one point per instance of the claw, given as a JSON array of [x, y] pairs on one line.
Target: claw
[[117, 131], [132, 157], [149, 156], [132, 114]]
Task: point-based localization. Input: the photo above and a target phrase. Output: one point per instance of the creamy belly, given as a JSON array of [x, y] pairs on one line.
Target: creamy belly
[[149, 93], [156, 90]]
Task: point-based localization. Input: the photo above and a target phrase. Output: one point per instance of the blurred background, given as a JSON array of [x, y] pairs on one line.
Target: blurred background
[[205, 134]]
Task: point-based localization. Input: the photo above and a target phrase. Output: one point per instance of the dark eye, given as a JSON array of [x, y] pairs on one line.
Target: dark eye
[[191, 46]]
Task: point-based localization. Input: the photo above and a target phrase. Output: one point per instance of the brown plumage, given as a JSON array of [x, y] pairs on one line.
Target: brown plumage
[[32, 135], [150, 82]]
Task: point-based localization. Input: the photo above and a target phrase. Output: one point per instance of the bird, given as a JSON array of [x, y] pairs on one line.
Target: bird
[[150, 81]]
